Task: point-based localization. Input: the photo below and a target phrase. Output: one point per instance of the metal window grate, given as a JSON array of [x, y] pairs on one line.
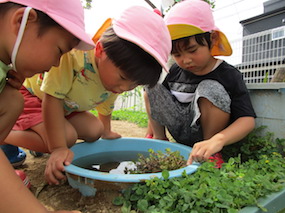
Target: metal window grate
[[261, 55]]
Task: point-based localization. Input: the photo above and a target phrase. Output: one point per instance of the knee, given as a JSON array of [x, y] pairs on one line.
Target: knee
[[71, 138], [207, 108]]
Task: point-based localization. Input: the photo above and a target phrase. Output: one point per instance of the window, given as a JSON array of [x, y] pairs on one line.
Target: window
[[278, 33]]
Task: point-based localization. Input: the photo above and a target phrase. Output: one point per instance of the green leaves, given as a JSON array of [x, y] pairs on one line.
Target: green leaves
[[138, 117], [165, 174], [257, 143], [118, 201], [210, 190], [257, 171], [87, 4], [158, 162], [142, 205]]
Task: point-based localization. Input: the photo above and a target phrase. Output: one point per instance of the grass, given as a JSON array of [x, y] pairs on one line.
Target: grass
[[137, 117]]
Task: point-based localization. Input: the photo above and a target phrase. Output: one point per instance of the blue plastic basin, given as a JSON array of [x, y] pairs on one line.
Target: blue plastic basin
[[82, 178]]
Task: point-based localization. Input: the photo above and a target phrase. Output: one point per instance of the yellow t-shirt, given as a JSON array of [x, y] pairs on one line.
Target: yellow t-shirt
[[77, 82]]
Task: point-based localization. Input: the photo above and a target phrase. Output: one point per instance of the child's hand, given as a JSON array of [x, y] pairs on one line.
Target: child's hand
[[15, 79], [110, 135], [203, 150], [55, 166]]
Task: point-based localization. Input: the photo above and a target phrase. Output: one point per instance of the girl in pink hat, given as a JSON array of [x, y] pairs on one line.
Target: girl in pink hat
[[34, 36], [131, 52], [203, 101]]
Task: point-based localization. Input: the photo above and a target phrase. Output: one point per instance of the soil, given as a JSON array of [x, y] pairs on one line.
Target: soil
[[64, 197]]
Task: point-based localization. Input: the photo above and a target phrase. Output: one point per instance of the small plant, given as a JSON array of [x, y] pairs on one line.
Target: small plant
[[257, 143], [256, 172], [158, 161], [225, 190]]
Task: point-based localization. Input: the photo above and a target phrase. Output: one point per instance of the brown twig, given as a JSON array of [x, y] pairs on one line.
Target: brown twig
[[150, 4]]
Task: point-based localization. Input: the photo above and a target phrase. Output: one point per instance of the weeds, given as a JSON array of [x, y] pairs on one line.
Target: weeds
[[257, 170], [158, 161]]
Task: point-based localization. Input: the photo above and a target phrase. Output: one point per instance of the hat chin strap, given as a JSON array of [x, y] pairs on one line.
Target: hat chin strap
[[20, 36]]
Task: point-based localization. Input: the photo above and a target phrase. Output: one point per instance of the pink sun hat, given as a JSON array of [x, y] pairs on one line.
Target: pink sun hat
[[192, 17], [67, 13], [147, 30], [143, 27]]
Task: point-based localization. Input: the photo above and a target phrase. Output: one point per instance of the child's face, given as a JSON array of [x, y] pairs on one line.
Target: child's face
[[111, 76], [38, 54], [195, 58]]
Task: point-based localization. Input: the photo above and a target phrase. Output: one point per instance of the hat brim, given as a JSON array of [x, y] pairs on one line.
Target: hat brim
[[102, 29], [85, 43], [178, 31], [220, 48]]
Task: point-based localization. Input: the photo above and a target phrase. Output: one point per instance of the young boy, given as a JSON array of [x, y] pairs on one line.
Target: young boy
[[203, 101], [34, 35], [131, 52]]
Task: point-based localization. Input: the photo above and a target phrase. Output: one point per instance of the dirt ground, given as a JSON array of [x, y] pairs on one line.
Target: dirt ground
[[64, 196]]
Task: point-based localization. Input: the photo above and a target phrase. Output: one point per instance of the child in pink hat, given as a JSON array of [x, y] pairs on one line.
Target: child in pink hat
[[34, 36], [60, 15], [203, 101], [131, 52]]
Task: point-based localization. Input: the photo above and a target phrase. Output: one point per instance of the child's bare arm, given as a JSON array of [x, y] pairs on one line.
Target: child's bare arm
[[54, 120], [12, 103], [13, 190], [233, 133], [61, 155]]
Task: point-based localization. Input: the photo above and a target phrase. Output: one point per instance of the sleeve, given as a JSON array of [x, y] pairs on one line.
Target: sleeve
[[3, 75], [58, 81], [241, 104], [107, 106], [33, 85]]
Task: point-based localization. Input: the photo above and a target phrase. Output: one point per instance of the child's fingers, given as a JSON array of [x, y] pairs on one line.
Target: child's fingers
[[69, 158], [58, 171], [55, 176], [190, 160], [50, 178], [54, 172]]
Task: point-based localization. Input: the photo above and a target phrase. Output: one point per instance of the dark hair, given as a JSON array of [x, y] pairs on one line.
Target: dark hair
[[203, 39], [44, 21], [137, 65]]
